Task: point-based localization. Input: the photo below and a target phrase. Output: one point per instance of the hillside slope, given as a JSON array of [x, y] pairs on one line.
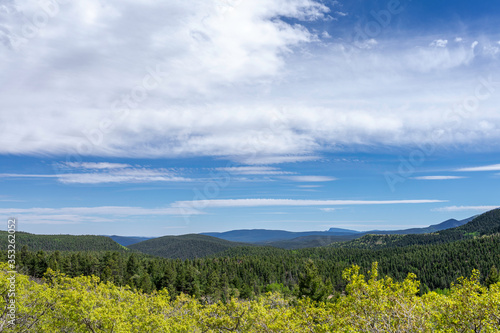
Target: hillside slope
[[448, 224], [308, 241], [484, 224], [184, 247], [62, 242]]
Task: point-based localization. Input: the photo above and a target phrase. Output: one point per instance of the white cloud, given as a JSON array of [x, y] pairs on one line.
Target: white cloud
[[92, 165], [255, 170], [109, 175], [121, 176], [493, 167], [103, 214], [367, 44], [101, 210], [438, 177], [309, 186], [439, 43], [328, 210], [465, 208], [227, 79], [200, 204], [264, 159], [311, 179]]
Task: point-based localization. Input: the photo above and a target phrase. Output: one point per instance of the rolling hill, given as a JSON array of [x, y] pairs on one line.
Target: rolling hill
[[185, 246], [448, 224], [62, 242]]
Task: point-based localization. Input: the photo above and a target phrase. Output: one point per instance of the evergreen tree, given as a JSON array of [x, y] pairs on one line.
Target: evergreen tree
[[493, 277], [310, 284]]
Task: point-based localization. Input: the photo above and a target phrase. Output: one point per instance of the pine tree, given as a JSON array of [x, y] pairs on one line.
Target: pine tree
[[493, 277]]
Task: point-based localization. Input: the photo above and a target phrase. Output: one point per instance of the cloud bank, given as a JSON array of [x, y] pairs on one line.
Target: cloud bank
[[251, 81]]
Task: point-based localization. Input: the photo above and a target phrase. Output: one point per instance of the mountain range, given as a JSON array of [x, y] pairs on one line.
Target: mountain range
[[257, 240], [294, 240]]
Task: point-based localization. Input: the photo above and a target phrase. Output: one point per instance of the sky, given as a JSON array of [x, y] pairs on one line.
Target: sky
[[151, 118]]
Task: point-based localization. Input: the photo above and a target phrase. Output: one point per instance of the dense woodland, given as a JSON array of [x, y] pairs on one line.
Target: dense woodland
[[240, 283], [250, 271], [62, 242], [370, 304]]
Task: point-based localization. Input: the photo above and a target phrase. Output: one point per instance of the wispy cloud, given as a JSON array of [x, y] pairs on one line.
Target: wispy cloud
[[465, 208], [493, 167], [93, 165], [291, 202], [311, 179], [255, 170], [328, 210], [76, 215], [101, 173], [122, 176], [265, 159], [309, 186], [438, 177]]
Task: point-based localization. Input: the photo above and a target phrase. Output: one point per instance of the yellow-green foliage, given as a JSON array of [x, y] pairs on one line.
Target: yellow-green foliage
[[84, 304]]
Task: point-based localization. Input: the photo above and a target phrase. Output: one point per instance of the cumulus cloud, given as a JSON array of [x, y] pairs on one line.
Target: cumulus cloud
[[439, 43], [230, 79]]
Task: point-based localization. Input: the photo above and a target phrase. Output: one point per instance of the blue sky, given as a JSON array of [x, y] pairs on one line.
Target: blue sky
[[179, 117]]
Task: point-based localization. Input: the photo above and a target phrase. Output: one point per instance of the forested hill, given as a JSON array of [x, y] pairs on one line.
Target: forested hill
[[185, 246], [61, 242], [484, 224]]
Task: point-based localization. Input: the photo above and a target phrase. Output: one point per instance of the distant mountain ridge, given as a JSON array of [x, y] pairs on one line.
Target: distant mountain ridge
[[264, 235], [448, 224], [295, 240]]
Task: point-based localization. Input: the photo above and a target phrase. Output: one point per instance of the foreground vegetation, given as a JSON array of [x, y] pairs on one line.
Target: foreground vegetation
[[247, 272], [84, 304], [91, 284]]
